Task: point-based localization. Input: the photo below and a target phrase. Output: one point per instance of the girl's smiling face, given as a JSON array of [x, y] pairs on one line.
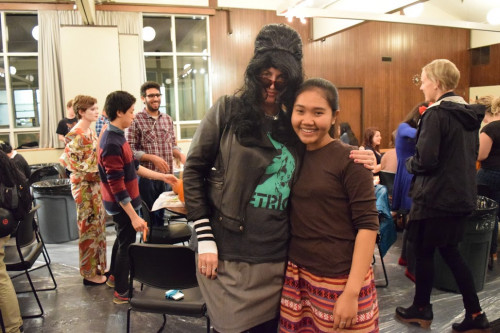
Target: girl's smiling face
[[312, 118]]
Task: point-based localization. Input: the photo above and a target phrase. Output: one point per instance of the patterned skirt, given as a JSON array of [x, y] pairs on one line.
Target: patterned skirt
[[307, 302]]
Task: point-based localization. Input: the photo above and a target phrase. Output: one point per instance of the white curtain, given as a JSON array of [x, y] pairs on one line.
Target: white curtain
[[52, 102]]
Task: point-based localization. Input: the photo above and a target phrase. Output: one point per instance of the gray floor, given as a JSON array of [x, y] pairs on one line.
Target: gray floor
[[75, 308]]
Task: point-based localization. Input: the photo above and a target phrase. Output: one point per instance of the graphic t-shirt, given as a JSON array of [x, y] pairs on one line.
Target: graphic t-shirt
[[266, 232], [274, 188]]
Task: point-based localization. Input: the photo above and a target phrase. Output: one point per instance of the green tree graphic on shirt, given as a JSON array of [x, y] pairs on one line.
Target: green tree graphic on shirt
[[274, 187]]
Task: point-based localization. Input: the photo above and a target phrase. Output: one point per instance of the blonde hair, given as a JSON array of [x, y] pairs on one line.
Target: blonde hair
[[495, 106], [82, 102], [443, 72], [486, 101]]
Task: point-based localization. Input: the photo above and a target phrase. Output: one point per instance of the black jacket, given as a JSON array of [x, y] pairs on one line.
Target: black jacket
[[220, 177], [444, 164]]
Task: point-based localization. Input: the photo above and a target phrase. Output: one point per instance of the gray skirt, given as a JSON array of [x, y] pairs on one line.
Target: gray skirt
[[243, 295]]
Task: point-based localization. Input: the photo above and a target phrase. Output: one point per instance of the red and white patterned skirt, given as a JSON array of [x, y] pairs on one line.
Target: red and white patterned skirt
[[307, 302]]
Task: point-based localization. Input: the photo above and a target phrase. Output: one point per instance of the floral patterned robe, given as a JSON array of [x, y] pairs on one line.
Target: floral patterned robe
[[80, 157]]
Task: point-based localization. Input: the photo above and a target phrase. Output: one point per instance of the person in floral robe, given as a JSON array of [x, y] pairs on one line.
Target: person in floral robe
[[80, 157]]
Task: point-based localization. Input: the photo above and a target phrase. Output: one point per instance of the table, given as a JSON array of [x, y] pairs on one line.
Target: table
[[170, 201]]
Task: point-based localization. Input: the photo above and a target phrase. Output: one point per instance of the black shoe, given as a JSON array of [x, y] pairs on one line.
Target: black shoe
[[91, 283], [421, 316], [478, 324]]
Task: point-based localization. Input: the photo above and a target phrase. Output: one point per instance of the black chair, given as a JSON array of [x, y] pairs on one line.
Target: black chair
[[161, 267], [171, 233], [28, 248], [387, 179], [382, 262]]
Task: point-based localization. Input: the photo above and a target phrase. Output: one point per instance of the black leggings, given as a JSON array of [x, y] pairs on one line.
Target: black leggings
[[460, 270]]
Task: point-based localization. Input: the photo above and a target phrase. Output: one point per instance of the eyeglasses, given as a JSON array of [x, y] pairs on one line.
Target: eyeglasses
[[279, 83], [153, 95]]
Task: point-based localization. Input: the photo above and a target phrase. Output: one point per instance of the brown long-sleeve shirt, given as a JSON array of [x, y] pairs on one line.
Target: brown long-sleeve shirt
[[332, 199]]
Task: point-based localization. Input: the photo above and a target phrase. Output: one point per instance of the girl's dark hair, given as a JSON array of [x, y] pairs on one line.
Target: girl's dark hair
[[9, 173], [369, 134], [280, 47], [346, 128], [413, 116]]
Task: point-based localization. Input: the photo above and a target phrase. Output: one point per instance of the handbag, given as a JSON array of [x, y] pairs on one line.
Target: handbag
[[7, 222]]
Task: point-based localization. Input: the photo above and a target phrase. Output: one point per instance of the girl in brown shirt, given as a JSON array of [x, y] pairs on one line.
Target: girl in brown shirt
[[334, 221]]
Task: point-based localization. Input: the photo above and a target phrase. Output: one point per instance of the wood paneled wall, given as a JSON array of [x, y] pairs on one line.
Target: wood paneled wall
[[352, 58], [489, 74]]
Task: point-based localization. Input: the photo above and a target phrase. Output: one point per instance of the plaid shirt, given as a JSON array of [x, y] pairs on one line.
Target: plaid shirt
[[148, 135], [100, 123]]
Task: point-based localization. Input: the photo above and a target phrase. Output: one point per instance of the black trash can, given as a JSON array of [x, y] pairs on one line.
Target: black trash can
[[57, 212], [475, 247], [45, 171]]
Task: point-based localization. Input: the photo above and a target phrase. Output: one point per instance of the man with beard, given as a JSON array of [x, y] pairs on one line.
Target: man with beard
[[153, 142]]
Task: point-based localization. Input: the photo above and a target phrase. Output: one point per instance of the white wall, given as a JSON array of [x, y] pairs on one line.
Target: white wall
[[483, 38], [482, 91], [90, 61]]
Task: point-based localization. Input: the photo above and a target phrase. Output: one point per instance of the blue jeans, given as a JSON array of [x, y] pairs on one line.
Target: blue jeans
[[491, 180], [150, 190]]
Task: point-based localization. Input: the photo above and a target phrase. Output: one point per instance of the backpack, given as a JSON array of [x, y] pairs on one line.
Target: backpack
[[7, 222], [17, 199]]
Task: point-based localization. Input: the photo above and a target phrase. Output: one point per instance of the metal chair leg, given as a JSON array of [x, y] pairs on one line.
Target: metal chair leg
[[383, 268]]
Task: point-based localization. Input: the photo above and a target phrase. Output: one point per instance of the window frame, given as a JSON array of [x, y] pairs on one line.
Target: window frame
[[178, 124], [12, 131]]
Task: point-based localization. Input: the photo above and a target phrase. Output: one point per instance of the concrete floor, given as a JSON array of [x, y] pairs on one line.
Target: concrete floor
[[76, 308]]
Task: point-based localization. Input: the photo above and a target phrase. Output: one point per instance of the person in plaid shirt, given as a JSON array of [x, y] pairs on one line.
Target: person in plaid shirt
[[101, 121], [153, 142]]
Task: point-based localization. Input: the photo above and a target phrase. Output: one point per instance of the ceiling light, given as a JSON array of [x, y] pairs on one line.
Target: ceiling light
[[415, 10], [12, 70], [493, 16], [35, 32], [148, 34]]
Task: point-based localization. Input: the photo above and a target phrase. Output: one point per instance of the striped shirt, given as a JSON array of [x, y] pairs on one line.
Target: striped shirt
[[117, 168]]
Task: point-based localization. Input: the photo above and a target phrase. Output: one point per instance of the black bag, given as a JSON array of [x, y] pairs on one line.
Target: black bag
[[7, 222], [17, 199]]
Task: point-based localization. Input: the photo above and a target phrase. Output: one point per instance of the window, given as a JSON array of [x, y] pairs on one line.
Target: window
[[177, 57], [19, 89]]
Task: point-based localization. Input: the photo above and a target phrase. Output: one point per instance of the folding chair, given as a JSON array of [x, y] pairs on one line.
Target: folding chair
[[387, 230], [171, 233], [161, 267], [382, 262], [28, 248], [387, 179]]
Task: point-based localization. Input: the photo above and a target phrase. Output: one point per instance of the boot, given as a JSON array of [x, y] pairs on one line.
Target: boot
[[421, 316], [480, 324]]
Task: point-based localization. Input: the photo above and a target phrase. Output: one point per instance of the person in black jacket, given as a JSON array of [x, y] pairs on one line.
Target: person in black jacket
[[18, 159], [240, 168], [443, 190], [9, 306]]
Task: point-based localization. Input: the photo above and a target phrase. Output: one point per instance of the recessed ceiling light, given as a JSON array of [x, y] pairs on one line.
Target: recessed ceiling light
[[493, 16]]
